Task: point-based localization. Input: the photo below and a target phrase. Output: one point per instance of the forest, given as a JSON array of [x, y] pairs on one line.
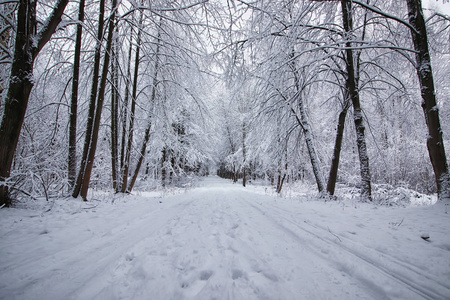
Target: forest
[[127, 95]]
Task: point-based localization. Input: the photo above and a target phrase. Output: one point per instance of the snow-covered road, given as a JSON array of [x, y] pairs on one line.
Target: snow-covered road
[[221, 241]]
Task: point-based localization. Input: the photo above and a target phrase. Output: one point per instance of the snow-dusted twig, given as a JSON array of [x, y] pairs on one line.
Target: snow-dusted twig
[[397, 224], [334, 235], [90, 207], [386, 15]]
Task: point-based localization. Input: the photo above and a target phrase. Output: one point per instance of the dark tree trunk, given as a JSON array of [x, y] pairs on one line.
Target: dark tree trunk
[[99, 106], [341, 123], [72, 172], [435, 143], [244, 153], [280, 182], [147, 131], [125, 114], [352, 90], [163, 167], [27, 46], [92, 101], [282, 174], [337, 150], [133, 109], [141, 158], [114, 111]]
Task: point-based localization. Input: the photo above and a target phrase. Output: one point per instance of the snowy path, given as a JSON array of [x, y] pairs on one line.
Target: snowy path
[[218, 241]]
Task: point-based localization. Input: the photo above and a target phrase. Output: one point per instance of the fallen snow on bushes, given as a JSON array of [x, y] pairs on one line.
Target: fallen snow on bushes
[[223, 241]]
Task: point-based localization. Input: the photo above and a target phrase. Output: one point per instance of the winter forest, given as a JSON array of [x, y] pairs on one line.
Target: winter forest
[[348, 98]]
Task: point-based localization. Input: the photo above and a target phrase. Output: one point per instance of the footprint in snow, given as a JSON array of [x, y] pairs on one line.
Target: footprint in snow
[[205, 275], [236, 274]]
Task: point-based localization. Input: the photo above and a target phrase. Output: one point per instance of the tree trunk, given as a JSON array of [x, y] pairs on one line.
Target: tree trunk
[[72, 160], [244, 153], [147, 131], [92, 101], [304, 124], [163, 167], [352, 90], [114, 110], [99, 106], [435, 143], [311, 148], [125, 114], [337, 149], [133, 109], [27, 46], [141, 159], [282, 174], [280, 181], [8, 12]]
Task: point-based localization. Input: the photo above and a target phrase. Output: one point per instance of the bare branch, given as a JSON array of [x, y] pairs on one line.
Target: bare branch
[[389, 16], [50, 26]]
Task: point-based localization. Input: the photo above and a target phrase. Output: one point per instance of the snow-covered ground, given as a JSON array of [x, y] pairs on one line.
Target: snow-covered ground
[[223, 241]]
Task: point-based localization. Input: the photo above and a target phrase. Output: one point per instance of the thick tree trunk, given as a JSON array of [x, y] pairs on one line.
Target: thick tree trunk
[[99, 107], [337, 150], [27, 46], [72, 160], [92, 101], [435, 143], [352, 90]]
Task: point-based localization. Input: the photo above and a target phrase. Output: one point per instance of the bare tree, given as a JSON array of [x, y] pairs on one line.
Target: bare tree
[[72, 159], [92, 100], [99, 105], [131, 125], [352, 92], [149, 125], [29, 42], [430, 108], [115, 109], [300, 85]]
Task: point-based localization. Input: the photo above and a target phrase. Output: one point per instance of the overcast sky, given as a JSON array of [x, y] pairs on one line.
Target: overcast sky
[[438, 5]]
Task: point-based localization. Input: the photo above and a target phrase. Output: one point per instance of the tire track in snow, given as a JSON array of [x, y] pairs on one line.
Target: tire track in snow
[[419, 288], [270, 264], [60, 275], [325, 232]]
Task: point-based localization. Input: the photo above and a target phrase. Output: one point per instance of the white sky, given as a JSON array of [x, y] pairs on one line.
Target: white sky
[[437, 5]]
